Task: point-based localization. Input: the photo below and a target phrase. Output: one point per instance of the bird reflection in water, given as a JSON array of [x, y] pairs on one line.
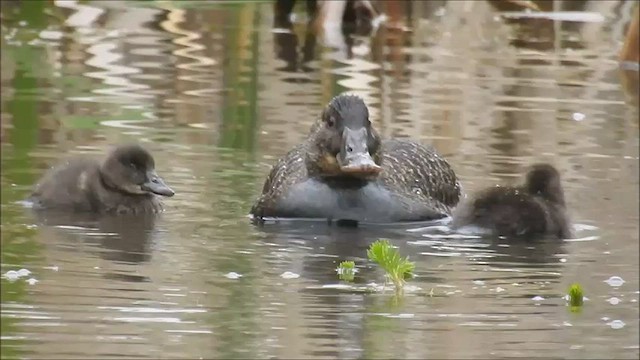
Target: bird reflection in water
[[124, 239], [354, 19]]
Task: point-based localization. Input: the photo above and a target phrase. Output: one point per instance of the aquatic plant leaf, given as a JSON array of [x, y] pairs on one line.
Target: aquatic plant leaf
[[346, 270], [576, 295], [397, 268]]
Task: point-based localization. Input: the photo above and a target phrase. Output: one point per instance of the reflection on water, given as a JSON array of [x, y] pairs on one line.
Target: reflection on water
[[217, 91], [126, 238]]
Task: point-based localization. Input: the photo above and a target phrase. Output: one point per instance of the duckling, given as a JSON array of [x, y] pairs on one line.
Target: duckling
[[535, 209], [343, 170], [125, 182]]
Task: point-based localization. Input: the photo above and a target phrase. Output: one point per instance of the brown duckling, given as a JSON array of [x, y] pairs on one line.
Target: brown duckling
[[533, 210], [343, 170], [125, 182]]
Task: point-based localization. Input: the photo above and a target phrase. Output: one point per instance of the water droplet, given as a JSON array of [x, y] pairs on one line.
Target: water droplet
[[478, 282], [289, 275], [615, 281], [616, 324], [499, 289], [32, 281], [563, 260], [537, 298], [23, 272], [578, 116], [613, 301], [566, 323], [604, 318], [233, 275], [11, 275]]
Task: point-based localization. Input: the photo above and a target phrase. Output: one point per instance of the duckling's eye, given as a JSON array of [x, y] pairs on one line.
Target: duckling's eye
[[330, 121]]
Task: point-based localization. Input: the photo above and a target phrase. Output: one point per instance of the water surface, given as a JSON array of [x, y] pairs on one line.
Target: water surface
[[218, 95]]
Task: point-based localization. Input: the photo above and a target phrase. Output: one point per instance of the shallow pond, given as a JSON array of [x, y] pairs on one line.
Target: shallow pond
[[218, 95]]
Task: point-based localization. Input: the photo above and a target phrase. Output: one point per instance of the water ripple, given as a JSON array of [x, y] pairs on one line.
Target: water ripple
[[201, 65]]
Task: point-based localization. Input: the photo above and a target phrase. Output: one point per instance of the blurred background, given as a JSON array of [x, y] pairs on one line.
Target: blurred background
[[218, 90]]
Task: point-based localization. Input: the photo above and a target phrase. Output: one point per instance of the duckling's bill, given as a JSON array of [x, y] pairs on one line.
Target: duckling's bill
[[156, 185]]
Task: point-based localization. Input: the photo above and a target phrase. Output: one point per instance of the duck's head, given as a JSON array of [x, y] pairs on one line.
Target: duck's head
[[131, 169], [346, 143], [544, 180]]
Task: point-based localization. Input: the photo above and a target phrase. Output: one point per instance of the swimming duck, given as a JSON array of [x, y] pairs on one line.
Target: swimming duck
[[125, 182], [535, 209], [343, 170]]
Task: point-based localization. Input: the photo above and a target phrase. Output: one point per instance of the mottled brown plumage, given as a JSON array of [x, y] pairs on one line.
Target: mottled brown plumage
[[414, 183]]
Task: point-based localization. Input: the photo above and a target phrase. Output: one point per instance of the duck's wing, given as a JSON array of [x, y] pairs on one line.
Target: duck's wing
[[287, 171], [420, 172]]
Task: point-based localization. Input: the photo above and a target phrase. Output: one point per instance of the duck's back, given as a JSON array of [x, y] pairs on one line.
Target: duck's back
[[421, 176], [512, 212], [66, 186]]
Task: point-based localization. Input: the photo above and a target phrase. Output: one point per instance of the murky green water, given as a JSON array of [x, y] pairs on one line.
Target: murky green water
[[217, 95]]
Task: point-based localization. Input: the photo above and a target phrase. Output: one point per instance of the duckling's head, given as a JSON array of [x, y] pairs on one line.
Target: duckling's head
[[544, 180], [131, 169], [347, 142]]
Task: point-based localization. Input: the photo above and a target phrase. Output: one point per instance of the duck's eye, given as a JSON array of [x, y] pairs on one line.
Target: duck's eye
[[133, 166], [330, 121]]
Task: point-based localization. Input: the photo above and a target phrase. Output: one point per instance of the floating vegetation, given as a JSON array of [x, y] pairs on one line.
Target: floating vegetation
[[346, 270], [397, 269], [576, 297]]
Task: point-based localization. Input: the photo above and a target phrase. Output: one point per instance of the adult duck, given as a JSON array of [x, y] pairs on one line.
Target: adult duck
[[343, 170]]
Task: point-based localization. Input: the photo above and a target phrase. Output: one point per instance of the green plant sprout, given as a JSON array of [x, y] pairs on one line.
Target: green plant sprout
[[576, 296], [346, 270], [397, 269]]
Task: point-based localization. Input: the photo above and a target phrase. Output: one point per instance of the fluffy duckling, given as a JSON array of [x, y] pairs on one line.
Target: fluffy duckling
[[535, 209], [124, 182]]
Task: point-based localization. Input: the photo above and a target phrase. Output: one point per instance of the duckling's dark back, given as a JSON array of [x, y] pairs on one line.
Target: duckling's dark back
[[535, 209], [66, 185]]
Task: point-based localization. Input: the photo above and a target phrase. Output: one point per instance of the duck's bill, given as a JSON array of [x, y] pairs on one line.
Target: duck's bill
[[156, 185], [361, 164], [354, 158]]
